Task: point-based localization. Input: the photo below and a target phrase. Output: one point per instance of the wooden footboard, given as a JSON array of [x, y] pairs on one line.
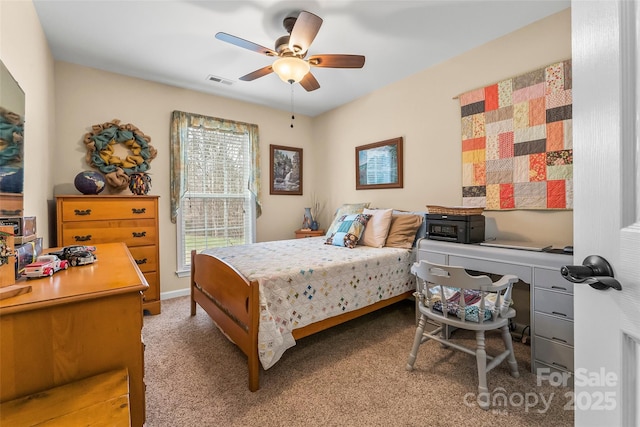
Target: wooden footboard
[[234, 305]]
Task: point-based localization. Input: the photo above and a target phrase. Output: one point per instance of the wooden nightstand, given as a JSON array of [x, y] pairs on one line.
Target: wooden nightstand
[[301, 234]]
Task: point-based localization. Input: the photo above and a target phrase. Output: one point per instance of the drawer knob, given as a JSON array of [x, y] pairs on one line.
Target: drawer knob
[[140, 211], [82, 238], [82, 212], [141, 261], [139, 234], [594, 271]]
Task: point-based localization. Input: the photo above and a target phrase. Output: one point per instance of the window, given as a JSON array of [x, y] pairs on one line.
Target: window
[[214, 166]]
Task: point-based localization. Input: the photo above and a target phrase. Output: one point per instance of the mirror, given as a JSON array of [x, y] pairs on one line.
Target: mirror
[[11, 145]]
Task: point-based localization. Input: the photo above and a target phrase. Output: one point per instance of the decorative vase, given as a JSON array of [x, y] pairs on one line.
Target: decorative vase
[[314, 225], [308, 219], [140, 183]]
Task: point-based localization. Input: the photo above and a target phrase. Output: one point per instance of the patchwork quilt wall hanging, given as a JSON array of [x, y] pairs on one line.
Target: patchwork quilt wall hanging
[[517, 147]]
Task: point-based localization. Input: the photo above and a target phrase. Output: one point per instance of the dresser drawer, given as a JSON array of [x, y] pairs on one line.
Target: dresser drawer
[[554, 328], [523, 272], [101, 209], [153, 292], [554, 303], [145, 257], [545, 278], [553, 354], [133, 232], [11, 204]]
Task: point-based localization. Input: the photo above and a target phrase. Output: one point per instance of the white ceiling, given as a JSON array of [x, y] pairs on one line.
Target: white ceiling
[[172, 42]]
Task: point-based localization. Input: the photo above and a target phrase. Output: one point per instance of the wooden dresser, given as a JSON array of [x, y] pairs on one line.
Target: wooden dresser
[[78, 323], [89, 220]]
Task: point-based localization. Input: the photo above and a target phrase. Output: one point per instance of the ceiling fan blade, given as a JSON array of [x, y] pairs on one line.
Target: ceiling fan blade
[[309, 82], [237, 41], [257, 74], [337, 61], [304, 31]]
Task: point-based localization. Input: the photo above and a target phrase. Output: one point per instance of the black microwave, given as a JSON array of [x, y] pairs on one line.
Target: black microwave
[[456, 228]]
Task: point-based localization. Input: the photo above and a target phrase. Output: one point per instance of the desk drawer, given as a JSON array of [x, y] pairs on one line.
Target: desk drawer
[[553, 354], [544, 371], [554, 303], [132, 232], [551, 279], [523, 272], [553, 328], [435, 257]]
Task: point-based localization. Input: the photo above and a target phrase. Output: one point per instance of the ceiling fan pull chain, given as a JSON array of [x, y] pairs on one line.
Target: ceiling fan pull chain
[[292, 116]]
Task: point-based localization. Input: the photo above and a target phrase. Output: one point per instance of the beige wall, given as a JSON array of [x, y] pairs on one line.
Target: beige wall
[[86, 96], [422, 110], [25, 52], [419, 108]]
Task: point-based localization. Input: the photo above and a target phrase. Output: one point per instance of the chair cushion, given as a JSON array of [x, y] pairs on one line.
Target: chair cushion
[[472, 300]]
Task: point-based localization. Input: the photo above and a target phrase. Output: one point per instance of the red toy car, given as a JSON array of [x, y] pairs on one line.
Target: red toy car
[[45, 265]]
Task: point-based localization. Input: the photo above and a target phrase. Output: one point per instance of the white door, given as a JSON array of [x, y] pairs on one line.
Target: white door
[[605, 46]]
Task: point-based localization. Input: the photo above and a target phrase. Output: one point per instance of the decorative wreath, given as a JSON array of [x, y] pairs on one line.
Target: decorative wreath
[[11, 137], [101, 142]]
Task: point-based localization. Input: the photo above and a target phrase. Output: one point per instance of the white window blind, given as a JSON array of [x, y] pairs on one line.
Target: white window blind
[[217, 209]]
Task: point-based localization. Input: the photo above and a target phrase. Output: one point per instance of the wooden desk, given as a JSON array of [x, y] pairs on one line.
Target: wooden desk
[[551, 306], [80, 322]]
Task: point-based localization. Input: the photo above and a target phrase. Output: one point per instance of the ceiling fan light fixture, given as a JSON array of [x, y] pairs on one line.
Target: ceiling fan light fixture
[[291, 69]]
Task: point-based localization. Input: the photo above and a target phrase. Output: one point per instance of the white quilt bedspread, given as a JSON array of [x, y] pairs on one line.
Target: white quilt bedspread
[[303, 281]]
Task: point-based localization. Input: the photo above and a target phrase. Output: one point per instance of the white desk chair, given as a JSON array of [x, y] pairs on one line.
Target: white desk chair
[[485, 306]]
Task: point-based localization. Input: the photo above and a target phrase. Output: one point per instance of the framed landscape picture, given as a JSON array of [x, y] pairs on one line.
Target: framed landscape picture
[[379, 165], [285, 170]]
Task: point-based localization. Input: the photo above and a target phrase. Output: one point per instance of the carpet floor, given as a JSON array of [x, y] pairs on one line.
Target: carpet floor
[[351, 375]]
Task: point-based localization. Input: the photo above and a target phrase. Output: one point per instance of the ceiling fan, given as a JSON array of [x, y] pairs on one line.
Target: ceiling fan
[[291, 50]]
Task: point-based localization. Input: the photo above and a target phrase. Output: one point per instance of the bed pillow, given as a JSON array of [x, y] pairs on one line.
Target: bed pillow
[[377, 229], [422, 231], [346, 209], [402, 232], [349, 229]]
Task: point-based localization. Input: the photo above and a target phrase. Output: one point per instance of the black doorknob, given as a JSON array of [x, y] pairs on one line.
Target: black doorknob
[[594, 271]]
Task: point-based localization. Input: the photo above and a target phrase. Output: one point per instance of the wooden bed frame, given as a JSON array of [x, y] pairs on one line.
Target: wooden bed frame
[[234, 305]]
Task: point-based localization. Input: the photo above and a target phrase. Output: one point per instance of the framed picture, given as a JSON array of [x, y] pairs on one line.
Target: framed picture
[[286, 170], [379, 165]]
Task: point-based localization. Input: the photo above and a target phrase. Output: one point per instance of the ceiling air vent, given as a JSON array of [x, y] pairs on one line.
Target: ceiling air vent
[[220, 80]]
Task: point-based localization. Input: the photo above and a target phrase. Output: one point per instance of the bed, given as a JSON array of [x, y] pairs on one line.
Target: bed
[[264, 296]]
